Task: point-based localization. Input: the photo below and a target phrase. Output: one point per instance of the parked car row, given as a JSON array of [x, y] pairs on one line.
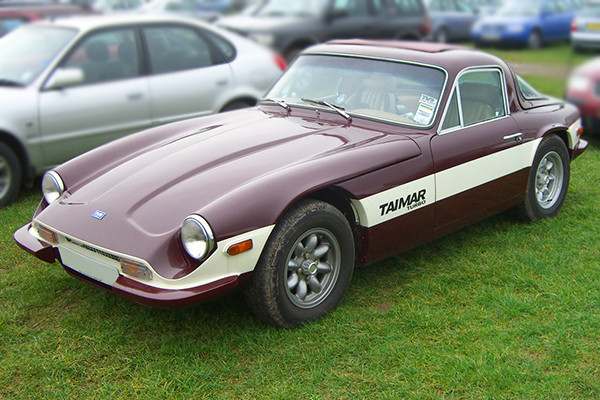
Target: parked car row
[[71, 85]]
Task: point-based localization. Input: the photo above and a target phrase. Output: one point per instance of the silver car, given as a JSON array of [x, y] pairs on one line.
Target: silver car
[[585, 29], [68, 86]]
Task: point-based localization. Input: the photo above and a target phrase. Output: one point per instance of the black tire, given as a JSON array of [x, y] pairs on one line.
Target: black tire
[[312, 241], [441, 36], [535, 40], [236, 105], [10, 175], [548, 181]]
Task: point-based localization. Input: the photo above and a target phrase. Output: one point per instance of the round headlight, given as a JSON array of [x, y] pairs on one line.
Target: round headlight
[[197, 237], [52, 186]]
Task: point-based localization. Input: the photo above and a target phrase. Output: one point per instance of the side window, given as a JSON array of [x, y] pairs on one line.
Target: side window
[[478, 97], [106, 56], [173, 49], [9, 24], [408, 6], [226, 48], [355, 8], [452, 119]]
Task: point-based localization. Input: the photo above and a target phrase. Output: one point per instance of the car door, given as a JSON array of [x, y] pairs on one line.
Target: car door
[[351, 19], [480, 159], [109, 100], [188, 74], [557, 16]]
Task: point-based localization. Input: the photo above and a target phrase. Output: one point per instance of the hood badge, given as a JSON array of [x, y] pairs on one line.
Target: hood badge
[[98, 214]]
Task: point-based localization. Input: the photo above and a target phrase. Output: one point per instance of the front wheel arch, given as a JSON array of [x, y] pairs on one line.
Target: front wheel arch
[[306, 266]]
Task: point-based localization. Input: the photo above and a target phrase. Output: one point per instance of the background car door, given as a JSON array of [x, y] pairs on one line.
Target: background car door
[[188, 73], [350, 19], [111, 101], [478, 154], [556, 19]]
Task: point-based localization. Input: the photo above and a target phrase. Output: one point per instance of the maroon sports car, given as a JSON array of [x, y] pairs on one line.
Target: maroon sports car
[[361, 150]]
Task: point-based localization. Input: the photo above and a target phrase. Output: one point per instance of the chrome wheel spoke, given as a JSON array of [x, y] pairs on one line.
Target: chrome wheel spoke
[[320, 251], [314, 284], [311, 243], [293, 264], [293, 280], [323, 268], [302, 290], [299, 250]]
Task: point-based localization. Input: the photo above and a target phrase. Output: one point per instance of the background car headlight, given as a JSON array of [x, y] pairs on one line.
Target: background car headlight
[[52, 186], [579, 83], [197, 237]]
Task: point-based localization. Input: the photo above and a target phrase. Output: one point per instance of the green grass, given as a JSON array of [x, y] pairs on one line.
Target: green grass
[[499, 310], [553, 54]]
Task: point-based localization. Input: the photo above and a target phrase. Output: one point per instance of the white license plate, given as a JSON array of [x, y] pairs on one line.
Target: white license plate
[[88, 267], [491, 36]]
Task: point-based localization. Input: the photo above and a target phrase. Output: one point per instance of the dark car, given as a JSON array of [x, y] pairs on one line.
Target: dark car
[[15, 16], [290, 26], [362, 149]]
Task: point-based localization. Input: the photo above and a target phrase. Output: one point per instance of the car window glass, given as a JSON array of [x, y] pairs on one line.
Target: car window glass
[[452, 117], [226, 48], [384, 90], [527, 91], [106, 56], [355, 8], [481, 96], [174, 49], [8, 24], [407, 6]]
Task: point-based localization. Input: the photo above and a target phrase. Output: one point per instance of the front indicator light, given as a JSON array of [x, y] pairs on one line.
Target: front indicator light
[[136, 269], [46, 234], [197, 237], [238, 248]]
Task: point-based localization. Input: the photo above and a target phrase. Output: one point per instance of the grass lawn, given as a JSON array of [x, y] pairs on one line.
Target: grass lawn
[[499, 310]]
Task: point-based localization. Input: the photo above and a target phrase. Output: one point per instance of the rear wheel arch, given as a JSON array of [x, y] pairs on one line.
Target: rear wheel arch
[[240, 102]]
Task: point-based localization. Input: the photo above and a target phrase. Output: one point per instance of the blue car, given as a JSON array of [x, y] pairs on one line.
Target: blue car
[[531, 23]]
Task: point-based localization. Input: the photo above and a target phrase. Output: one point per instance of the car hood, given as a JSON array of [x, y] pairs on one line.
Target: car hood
[[239, 170], [249, 24]]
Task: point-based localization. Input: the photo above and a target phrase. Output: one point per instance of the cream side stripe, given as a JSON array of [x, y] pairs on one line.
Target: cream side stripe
[[400, 200], [482, 170]]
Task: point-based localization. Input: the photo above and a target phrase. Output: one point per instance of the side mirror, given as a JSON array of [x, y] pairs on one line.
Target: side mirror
[[65, 77]]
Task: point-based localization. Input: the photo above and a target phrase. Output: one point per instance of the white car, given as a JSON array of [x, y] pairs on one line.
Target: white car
[[70, 85]]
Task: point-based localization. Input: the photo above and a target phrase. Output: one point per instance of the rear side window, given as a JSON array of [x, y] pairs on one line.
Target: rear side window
[[174, 48], [407, 6]]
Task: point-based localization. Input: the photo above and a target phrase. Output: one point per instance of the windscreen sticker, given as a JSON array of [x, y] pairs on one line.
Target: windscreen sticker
[[428, 100], [424, 114], [426, 108]]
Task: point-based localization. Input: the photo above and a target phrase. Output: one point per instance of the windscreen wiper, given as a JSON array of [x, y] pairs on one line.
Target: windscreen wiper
[[338, 109], [280, 103]]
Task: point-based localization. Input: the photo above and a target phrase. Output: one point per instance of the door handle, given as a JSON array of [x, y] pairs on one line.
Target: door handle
[[134, 96], [517, 137]]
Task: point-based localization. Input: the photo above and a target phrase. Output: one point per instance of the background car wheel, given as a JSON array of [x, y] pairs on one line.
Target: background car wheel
[[440, 36], [236, 105], [10, 175], [535, 40], [305, 268], [548, 181]]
